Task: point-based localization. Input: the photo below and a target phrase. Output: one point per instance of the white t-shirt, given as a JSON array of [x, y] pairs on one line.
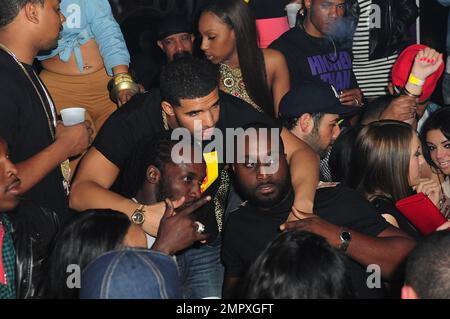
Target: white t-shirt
[[150, 240]]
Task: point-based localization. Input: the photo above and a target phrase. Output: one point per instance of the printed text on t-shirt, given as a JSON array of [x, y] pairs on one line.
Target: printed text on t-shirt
[[336, 73]]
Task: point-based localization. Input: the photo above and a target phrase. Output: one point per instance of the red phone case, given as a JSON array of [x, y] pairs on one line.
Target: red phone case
[[421, 212]]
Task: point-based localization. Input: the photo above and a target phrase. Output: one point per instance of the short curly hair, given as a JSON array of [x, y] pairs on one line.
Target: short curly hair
[[428, 267], [188, 78]]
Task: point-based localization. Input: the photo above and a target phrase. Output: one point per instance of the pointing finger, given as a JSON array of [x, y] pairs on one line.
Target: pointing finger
[[197, 204]]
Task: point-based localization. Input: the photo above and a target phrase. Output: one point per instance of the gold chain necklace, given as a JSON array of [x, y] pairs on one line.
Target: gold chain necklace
[[327, 56], [335, 55], [51, 119], [165, 122]]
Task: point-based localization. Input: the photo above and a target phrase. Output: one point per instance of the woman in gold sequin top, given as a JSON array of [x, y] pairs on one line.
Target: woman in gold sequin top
[[229, 38]]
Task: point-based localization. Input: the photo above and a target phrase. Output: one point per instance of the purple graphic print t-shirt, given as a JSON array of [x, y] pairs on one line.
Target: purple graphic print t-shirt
[[310, 58]]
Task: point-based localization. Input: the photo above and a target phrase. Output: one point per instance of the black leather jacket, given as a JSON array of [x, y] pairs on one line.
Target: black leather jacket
[[396, 18], [33, 231]]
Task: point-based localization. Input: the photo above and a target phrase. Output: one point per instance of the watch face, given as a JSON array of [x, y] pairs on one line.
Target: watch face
[[138, 218], [345, 235]]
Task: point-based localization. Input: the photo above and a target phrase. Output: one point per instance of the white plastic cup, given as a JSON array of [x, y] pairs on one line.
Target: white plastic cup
[[73, 115], [292, 10]]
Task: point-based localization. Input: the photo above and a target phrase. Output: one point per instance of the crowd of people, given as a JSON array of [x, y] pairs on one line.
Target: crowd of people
[[272, 165]]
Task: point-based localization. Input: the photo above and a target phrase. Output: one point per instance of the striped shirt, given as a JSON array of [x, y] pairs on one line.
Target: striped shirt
[[372, 75]]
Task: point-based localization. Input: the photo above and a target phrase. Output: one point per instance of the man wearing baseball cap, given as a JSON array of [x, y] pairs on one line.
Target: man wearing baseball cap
[[311, 112], [175, 37]]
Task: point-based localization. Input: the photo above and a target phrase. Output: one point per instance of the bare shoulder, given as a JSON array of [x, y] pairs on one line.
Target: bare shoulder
[[274, 61], [272, 56]]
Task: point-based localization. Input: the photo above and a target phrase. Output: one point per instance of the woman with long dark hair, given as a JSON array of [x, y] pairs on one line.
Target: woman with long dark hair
[[229, 39], [385, 167], [94, 232], [86, 237], [435, 136]]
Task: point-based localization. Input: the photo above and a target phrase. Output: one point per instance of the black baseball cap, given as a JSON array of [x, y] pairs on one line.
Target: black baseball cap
[[312, 98], [172, 24]]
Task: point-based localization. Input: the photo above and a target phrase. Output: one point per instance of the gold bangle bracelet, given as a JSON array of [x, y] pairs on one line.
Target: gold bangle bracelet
[[406, 92], [116, 79], [121, 77], [120, 82]]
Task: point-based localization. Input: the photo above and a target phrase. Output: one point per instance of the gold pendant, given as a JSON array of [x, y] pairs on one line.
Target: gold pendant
[[228, 82]]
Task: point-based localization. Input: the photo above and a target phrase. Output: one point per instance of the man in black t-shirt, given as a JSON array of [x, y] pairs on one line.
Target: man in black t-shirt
[[26, 235], [313, 54], [38, 145], [188, 93], [344, 218], [151, 175]]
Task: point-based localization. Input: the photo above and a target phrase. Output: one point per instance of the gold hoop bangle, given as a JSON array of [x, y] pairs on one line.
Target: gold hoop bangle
[[120, 82], [406, 92]]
